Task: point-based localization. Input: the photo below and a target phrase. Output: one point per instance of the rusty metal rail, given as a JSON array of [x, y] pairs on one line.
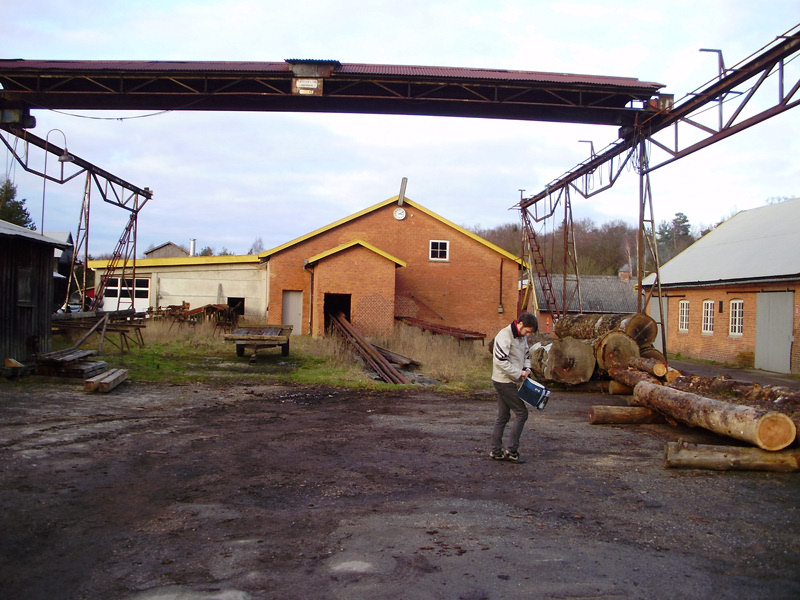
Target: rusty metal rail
[[367, 351], [459, 334]]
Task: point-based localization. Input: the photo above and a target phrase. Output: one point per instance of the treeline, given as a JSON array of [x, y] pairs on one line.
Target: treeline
[[601, 249]]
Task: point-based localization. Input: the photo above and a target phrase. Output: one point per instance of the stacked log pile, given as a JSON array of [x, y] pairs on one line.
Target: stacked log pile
[[764, 416], [588, 345]]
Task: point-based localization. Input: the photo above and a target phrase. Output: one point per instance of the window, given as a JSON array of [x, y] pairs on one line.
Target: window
[[737, 317], [683, 315], [440, 250], [708, 316]]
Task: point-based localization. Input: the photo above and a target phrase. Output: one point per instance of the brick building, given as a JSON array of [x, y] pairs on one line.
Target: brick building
[[731, 296], [386, 261]]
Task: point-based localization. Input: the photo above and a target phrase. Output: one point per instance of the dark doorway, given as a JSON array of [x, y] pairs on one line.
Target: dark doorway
[[335, 304], [237, 304]]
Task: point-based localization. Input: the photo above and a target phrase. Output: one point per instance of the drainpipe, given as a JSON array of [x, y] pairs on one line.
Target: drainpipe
[[310, 296], [500, 308]]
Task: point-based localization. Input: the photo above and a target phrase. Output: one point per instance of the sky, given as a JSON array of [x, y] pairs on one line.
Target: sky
[[227, 179]]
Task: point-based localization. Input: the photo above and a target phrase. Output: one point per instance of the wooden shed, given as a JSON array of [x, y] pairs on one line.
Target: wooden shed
[[26, 291]]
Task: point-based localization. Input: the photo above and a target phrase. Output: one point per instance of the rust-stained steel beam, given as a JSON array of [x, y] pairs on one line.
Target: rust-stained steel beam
[[769, 62], [324, 86]]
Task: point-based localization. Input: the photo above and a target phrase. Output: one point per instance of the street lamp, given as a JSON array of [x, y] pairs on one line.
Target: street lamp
[[64, 157]]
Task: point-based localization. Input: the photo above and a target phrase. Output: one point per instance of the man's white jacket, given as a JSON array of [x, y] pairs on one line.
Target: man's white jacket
[[510, 355]]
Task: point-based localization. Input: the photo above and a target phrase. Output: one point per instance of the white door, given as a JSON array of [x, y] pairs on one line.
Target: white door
[[774, 331], [292, 310]]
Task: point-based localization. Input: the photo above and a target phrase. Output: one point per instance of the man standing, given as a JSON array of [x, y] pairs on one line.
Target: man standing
[[511, 362]]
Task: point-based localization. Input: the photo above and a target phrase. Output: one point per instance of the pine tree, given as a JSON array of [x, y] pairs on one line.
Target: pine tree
[[13, 210]]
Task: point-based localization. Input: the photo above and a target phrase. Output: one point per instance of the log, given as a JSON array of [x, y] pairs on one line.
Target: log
[[766, 429], [615, 348], [651, 352], [729, 458], [651, 365], [640, 327], [672, 375], [609, 415], [631, 377], [564, 360], [593, 386], [619, 389]]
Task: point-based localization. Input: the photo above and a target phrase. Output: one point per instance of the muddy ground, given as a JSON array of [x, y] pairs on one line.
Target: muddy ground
[[243, 491]]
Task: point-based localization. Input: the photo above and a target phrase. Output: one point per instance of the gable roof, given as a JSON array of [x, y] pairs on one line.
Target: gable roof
[[268, 253], [350, 244], [183, 251], [599, 294], [759, 243]]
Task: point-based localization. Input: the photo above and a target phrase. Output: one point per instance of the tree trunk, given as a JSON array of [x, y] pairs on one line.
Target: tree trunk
[[609, 415], [652, 366], [631, 377], [767, 430], [672, 375], [564, 360], [650, 352], [640, 327], [615, 349], [619, 389], [728, 458]]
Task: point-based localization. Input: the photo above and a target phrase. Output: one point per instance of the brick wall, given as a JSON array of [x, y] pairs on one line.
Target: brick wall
[[464, 292], [368, 279], [721, 345]]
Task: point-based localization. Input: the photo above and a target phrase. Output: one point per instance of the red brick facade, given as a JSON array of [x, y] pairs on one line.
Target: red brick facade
[[475, 288], [721, 345]]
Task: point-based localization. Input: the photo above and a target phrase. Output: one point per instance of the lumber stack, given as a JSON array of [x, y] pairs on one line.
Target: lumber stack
[[105, 382]]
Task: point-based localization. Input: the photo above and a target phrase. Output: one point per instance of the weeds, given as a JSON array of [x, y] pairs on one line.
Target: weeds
[[182, 354]]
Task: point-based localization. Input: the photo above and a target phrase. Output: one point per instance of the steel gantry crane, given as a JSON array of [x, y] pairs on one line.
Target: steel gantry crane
[[670, 120]]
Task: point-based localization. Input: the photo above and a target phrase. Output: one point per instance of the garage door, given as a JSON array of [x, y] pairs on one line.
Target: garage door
[[774, 331]]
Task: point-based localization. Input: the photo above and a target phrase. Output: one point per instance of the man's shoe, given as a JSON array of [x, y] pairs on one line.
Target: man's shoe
[[512, 456], [497, 454]]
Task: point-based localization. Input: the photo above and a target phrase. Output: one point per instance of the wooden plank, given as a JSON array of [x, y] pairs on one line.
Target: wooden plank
[[105, 382]]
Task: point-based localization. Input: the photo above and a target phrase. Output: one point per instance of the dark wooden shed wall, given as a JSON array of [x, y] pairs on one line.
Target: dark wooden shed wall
[[26, 297]]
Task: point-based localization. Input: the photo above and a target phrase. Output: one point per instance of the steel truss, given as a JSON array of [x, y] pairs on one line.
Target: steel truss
[[114, 191], [768, 65]]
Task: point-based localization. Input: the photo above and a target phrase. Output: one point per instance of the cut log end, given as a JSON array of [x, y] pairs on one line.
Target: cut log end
[[775, 431]]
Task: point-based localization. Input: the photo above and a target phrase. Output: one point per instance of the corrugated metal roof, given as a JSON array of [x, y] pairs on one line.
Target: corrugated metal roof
[[413, 71], [757, 243], [491, 74], [600, 294], [10, 230]]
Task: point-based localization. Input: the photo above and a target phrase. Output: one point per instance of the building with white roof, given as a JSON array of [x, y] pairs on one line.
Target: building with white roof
[[731, 296]]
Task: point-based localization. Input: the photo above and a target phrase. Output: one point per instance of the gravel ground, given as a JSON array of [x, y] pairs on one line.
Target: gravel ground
[[255, 491]]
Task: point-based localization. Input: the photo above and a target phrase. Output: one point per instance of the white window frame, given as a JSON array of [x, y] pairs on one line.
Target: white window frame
[[683, 316], [445, 248], [736, 321], [708, 316]]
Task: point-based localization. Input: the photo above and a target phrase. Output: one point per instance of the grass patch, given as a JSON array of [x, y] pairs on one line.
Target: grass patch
[[185, 354]]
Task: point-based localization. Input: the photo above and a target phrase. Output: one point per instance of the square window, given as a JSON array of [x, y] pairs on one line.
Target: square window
[[439, 250], [708, 316]]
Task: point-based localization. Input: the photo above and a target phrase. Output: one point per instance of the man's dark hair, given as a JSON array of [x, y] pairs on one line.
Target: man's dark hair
[[526, 319]]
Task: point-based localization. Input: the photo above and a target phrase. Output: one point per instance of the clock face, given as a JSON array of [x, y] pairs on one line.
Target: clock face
[[399, 213]]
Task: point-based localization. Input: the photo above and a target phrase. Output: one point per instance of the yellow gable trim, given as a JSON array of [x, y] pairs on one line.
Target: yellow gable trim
[[180, 261], [267, 253], [342, 247]]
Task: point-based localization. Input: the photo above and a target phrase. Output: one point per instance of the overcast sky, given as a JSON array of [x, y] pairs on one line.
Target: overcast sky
[[229, 178]]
